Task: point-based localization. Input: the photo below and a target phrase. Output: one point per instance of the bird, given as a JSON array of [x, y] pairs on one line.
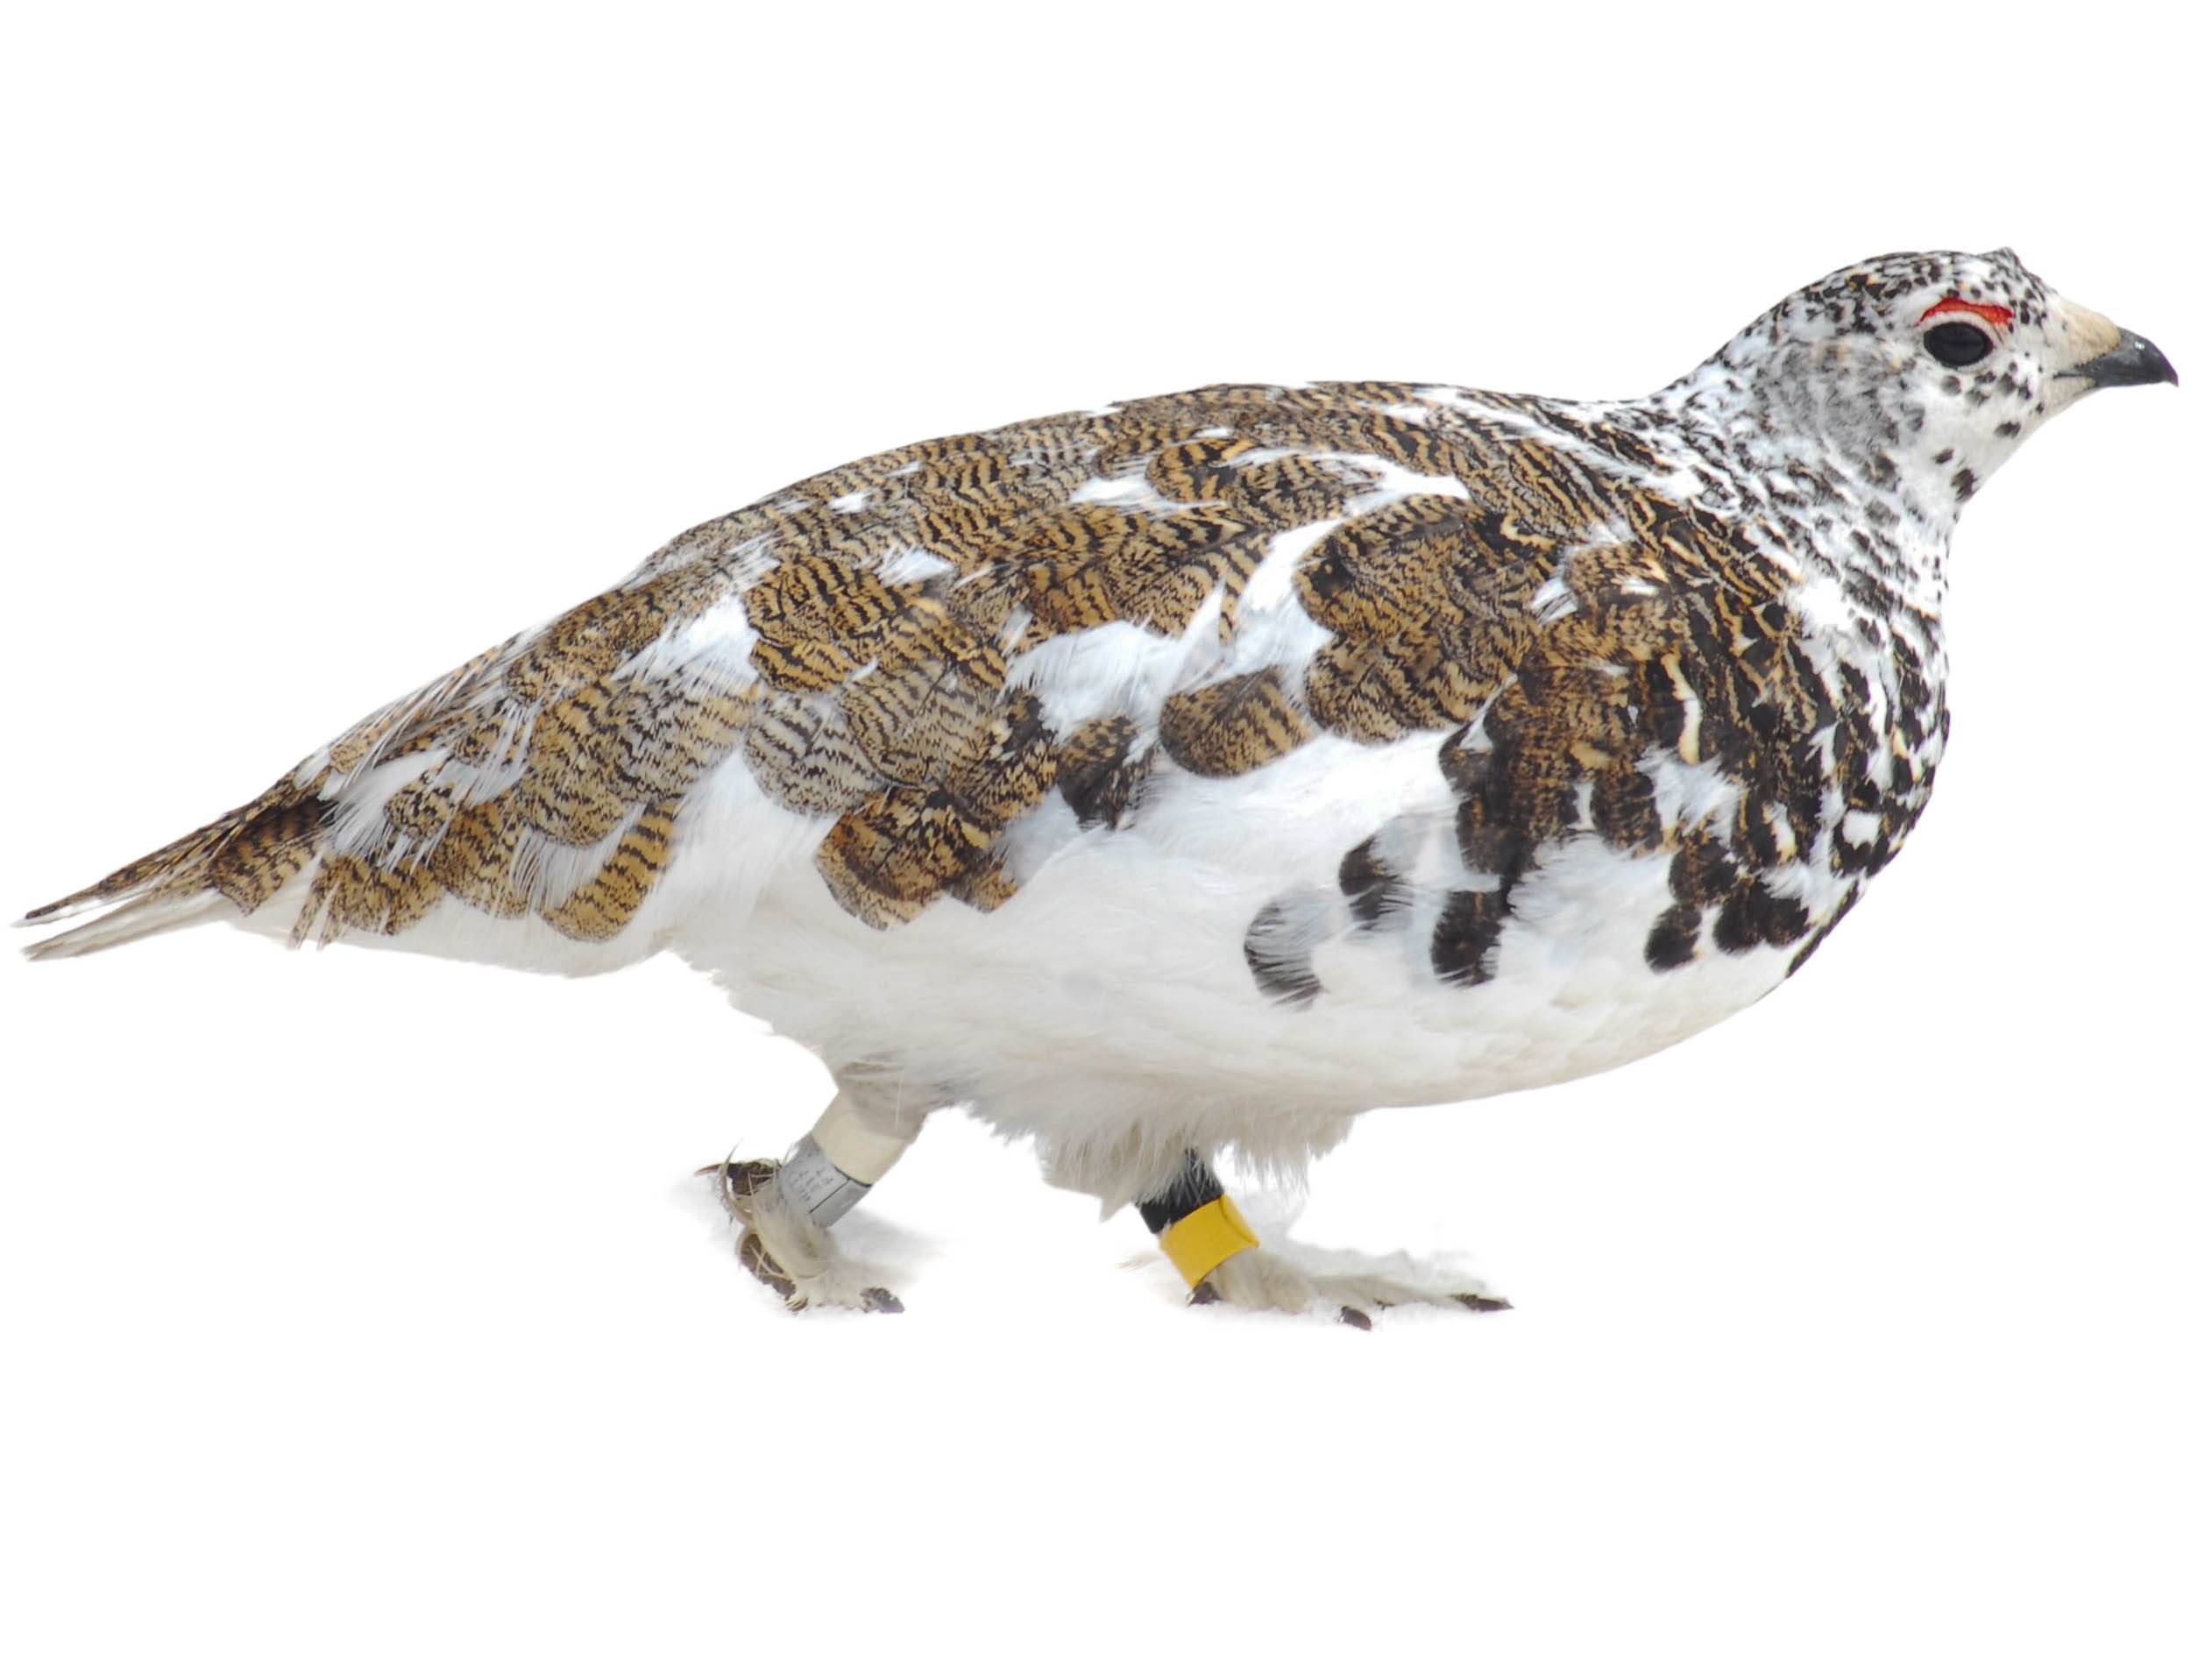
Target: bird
[[1178, 778]]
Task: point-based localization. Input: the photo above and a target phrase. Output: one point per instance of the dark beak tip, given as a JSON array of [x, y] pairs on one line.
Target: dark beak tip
[[2160, 366], [2135, 361]]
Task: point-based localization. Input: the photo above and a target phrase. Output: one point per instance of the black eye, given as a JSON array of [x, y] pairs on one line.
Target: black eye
[[1956, 344]]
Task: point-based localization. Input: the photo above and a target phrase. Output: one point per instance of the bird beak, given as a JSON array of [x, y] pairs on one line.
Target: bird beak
[[2128, 360]]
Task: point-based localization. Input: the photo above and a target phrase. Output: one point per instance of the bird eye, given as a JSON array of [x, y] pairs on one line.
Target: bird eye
[[1956, 344]]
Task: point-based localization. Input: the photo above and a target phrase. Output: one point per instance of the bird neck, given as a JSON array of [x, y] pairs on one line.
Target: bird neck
[[1838, 481]]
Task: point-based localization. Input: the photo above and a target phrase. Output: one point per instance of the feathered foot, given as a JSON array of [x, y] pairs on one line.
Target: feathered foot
[[789, 1252], [1262, 1280], [1220, 1257]]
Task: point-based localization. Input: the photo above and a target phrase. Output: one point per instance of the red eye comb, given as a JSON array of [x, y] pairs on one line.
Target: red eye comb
[[1998, 317]]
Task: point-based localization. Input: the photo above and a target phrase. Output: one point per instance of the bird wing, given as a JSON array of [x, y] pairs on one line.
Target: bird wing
[[917, 651]]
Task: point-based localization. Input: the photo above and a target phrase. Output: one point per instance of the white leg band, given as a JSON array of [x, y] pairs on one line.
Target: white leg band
[[863, 1152]]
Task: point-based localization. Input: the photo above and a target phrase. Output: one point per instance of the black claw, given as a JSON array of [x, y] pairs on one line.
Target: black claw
[[879, 1301], [1353, 1317], [1475, 1304], [1203, 1293]]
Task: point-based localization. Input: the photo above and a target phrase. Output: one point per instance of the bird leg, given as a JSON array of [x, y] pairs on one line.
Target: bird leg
[[788, 1207], [1221, 1259]]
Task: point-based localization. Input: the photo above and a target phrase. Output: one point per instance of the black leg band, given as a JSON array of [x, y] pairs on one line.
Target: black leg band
[[1193, 1187]]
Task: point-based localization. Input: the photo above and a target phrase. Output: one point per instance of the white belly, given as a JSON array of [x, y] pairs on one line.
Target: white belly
[[1112, 995]]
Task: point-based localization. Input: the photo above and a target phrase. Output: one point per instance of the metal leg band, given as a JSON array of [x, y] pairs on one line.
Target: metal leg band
[[815, 1186]]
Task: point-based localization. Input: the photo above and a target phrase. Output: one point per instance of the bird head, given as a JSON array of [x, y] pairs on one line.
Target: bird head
[[1921, 371]]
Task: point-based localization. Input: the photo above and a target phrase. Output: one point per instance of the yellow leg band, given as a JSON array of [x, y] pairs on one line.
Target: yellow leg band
[[1207, 1237]]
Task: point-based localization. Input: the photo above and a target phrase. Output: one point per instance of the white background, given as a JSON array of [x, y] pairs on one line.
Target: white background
[[358, 1304]]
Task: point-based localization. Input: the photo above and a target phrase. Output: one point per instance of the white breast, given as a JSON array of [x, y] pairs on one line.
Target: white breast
[[1112, 995]]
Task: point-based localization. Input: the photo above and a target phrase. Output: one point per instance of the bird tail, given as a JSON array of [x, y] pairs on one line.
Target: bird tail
[[239, 860]]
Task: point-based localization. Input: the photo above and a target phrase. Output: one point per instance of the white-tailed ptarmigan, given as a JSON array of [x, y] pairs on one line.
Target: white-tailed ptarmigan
[[1200, 772]]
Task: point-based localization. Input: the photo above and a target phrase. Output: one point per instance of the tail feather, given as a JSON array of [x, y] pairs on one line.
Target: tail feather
[[242, 857], [137, 918]]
